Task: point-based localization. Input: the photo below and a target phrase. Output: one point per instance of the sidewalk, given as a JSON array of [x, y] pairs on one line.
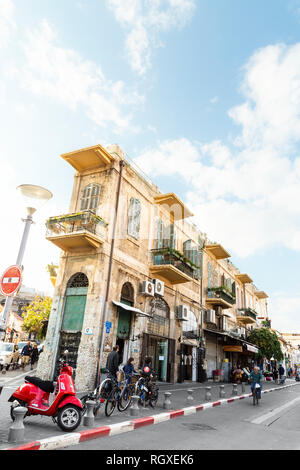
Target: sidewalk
[[41, 427]]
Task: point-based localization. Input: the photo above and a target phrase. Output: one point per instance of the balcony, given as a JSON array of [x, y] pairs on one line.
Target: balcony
[[246, 315], [172, 266], [73, 232], [191, 334], [220, 296]]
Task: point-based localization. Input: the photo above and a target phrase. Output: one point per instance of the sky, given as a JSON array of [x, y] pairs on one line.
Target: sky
[[203, 95]]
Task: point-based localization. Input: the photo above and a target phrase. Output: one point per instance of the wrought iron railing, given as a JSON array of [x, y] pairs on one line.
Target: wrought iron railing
[[169, 256], [191, 334], [247, 312], [85, 221], [220, 292]]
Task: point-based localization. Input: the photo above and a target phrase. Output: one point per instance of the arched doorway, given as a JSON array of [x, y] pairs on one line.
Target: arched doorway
[[124, 322], [73, 316]]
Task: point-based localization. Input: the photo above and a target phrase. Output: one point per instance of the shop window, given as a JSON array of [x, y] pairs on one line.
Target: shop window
[[134, 217], [90, 197]]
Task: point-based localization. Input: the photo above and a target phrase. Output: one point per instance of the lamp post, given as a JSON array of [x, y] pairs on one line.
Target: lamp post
[[34, 197]]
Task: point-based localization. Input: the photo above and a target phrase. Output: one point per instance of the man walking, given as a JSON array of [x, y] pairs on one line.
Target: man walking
[[25, 354], [112, 363]]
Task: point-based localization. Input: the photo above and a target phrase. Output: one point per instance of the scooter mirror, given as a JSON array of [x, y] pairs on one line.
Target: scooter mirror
[[66, 352]]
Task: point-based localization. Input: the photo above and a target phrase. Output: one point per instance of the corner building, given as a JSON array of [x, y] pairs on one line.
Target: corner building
[[138, 276]]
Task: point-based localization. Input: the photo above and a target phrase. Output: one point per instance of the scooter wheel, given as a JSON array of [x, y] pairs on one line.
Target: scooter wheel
[[69, 418]]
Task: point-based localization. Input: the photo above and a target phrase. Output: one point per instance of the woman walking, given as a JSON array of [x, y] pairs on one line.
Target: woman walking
[[34, 355]]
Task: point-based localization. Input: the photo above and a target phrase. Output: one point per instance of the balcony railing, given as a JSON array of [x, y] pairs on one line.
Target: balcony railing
[[171, 257], [76, 230], [221, 293], [247, 312]]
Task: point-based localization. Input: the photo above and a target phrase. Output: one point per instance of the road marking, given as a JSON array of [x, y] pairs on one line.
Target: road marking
[[16, 377], [272, 413]]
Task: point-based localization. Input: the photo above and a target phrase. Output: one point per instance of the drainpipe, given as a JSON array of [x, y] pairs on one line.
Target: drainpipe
[[98, 376]]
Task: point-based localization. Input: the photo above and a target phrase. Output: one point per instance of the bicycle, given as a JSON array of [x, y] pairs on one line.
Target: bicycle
[[256, 394], [116, 394], [146, 391]]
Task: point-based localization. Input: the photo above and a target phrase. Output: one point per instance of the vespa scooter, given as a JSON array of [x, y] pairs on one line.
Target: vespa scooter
[[65, 410]]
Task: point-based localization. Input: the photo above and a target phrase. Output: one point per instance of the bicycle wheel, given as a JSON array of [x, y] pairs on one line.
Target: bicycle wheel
[[154, 397], [110, 404], [105, 389], [124, 399]]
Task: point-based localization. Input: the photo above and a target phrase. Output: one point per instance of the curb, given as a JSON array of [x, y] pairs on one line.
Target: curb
[[66, 440]]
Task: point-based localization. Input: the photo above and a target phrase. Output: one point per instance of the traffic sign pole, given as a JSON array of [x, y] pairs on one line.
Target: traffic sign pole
[[9, 300]]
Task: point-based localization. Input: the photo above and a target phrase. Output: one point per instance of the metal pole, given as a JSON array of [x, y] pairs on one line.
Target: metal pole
[[122, 165], [9, 300]]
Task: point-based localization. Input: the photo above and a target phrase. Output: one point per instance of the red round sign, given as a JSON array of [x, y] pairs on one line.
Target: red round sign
[[11, 280]]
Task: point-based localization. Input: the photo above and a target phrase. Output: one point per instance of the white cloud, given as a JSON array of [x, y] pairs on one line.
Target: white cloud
[[62, 74], [145, 20], [7, 23], [285, 312], [246, 195]]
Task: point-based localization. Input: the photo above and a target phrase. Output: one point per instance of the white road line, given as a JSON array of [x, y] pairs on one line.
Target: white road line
[[272, 413]]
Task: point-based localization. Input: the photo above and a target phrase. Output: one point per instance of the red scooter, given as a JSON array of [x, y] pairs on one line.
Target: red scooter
[[65, 410]]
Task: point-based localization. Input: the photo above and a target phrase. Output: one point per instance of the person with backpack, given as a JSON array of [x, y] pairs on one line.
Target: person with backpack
[[129, 370]]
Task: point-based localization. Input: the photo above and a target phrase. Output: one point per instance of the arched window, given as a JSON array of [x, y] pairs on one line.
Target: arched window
[[191, 324], [134, 217], [127, 293], [90, 197]]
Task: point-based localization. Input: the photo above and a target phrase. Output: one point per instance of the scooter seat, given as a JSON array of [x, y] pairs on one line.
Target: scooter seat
[[45, 385]]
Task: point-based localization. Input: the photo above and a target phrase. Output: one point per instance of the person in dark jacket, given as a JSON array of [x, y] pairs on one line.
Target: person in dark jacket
[[281, 371], [34, 355], [25, 354], [112, 363], [129, 370]]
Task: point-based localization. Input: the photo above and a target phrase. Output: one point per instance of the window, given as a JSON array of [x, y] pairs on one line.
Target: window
[[90, 197], [170, 236], [134, 216], [191, 324], [209, 275], [159, 243]]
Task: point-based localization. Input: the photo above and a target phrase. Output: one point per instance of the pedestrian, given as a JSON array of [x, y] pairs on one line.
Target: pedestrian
[[275, 374], [129, 370], [281, 371], [238, 374], [25, 354], [34, 355], [112, 363]]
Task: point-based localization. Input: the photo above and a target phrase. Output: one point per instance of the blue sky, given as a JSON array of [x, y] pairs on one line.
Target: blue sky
[[204, 96]]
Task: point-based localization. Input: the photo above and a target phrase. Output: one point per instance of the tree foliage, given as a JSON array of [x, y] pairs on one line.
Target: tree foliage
[[35, 314], [267, 343]]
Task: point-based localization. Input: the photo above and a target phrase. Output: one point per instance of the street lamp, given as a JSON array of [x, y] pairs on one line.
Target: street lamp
[[34, 198]]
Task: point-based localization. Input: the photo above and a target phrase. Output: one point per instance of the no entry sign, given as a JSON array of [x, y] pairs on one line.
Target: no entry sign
[[11, 281]]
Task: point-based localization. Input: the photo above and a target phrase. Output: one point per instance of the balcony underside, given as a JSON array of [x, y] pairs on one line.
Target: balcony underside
[[76, 241], [170, 273], [211, 301], [245, 319]]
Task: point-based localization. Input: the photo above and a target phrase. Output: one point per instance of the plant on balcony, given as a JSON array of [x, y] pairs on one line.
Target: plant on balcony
[[76, 215], [178, 254], [222, 288]]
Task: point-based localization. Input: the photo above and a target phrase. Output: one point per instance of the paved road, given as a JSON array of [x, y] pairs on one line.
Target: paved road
[[42, 427], [274, 424]]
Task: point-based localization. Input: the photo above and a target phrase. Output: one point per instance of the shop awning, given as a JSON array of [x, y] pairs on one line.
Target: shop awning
[[233, 348], [132, 309], [251, 348]]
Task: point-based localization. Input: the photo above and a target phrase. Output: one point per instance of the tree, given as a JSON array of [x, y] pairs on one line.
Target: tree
[[35, 314], [267, 343]]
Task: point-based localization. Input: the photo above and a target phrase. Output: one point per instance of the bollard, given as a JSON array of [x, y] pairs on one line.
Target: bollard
[[208, 393], [243, 387], [1, 387], [222, 391], [134, 408], [167, 403], [89, 418], [16, 431], [234, 390], [190, 397]]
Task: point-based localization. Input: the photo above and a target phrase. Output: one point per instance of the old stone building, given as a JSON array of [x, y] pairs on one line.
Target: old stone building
[[135, 272]]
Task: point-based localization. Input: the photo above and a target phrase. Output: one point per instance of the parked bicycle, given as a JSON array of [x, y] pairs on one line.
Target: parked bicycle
[[116, 394], [147, 390]]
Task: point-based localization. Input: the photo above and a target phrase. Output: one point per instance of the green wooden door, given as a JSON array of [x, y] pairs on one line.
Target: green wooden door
[[74, 309]]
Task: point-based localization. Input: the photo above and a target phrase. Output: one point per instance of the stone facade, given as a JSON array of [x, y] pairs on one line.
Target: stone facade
[[147, 220]]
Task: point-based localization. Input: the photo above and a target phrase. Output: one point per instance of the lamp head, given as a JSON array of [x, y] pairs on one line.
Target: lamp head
[[33, 196]]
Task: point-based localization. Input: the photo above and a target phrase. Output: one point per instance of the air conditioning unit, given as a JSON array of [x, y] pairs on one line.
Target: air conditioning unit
[[183, 312], [210, 316], [159, 287], [147, 288]]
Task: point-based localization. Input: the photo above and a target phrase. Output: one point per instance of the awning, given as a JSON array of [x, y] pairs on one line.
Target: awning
[[132, 309], [190, 342], [233, 348], [251, 348]]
